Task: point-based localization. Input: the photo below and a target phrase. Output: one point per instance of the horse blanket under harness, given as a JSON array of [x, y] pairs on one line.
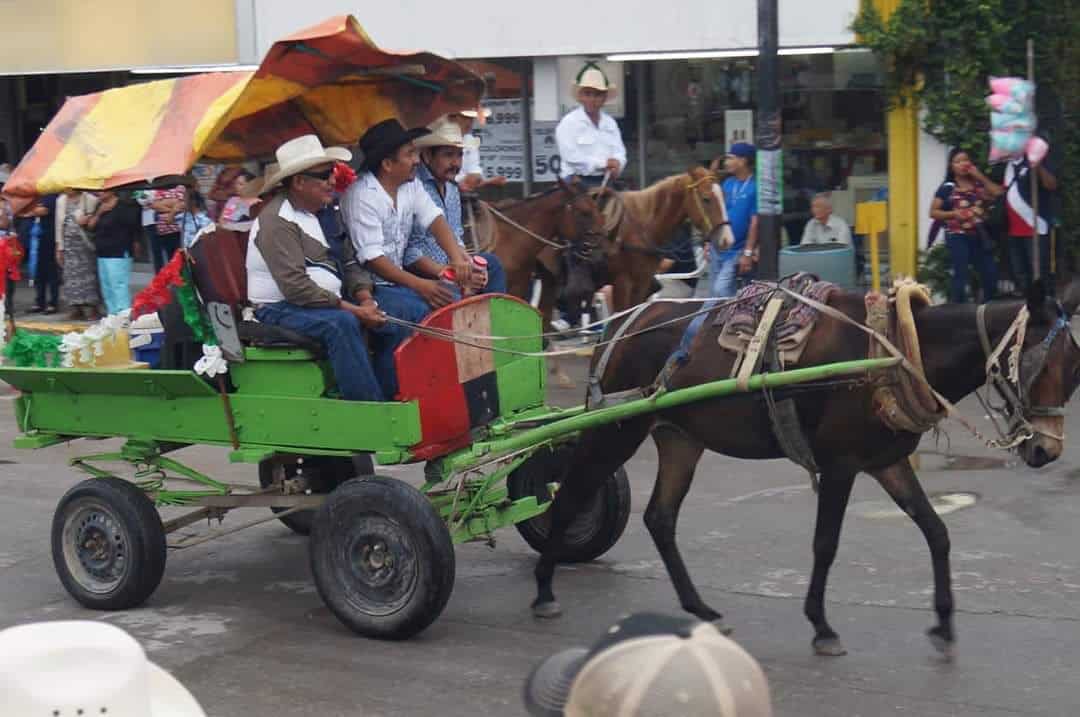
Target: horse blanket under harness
[[764, 327]]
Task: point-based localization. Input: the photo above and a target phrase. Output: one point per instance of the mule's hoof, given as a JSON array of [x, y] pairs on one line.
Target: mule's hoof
[[829, 647], [941, 643], [547, 610]]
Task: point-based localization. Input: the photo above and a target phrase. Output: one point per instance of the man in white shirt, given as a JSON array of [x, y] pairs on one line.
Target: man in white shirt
[[825, 226], [471, 176], [380, 211], [293, 280], [589, 140]]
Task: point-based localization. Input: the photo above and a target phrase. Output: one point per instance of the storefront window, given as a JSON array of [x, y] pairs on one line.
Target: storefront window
[[834, 123]]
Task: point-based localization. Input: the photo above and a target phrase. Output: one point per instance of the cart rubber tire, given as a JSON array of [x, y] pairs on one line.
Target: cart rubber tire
[[332, 471], [108, 544], [594, 532], [382, 558]]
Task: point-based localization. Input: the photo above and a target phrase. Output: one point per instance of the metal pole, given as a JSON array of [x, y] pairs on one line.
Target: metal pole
[[769, 165], [642, 123], [526, 131], [1034, 173]]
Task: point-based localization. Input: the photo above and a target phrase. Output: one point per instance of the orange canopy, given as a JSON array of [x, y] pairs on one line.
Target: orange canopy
[[330, 80]]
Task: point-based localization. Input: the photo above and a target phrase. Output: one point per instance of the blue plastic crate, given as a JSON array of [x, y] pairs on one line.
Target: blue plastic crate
[[151, 353]]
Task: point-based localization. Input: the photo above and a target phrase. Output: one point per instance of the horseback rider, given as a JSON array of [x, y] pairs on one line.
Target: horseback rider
[[471, 175], [292, 278], [381, 209], [590, 144], [441, 160]]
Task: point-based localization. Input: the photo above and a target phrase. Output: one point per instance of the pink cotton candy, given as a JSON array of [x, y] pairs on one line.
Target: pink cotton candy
[[1036, 150]]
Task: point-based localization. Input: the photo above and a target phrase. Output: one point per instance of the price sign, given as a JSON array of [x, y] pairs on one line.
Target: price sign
[[502, 146], [546, 162]]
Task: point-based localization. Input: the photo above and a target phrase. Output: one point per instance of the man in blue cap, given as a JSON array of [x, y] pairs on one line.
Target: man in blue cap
[[727, 267]]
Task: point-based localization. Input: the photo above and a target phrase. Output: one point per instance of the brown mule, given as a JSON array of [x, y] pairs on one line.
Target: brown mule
[[844, 433]]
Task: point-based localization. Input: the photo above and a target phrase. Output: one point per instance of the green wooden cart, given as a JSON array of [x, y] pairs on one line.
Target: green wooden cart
[[382, 553]]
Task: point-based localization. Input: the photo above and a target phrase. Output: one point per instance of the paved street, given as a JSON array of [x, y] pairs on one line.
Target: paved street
[[239, 622]]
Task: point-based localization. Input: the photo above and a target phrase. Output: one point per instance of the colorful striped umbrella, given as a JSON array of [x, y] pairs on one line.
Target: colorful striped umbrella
[[330, 80]]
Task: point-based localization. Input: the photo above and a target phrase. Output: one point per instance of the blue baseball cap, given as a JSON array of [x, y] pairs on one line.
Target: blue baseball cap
[[743, 149]]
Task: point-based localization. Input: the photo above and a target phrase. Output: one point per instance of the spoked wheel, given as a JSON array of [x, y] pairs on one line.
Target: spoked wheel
[[323, 473], [382, 558], [593, 531], [108, 544]]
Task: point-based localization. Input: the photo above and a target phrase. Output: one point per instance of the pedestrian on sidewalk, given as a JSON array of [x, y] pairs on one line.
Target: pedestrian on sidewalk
[[47, 271], [116, 224], [77, 256]]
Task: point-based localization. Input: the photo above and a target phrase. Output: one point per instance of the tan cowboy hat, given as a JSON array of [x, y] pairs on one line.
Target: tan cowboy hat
[[303, 153], [84, 667], [593, 77], [473, 114], [444, 133]]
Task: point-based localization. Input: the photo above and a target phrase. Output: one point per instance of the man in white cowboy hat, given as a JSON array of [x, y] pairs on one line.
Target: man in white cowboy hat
[[471, 176], [589, 140], [87, 668], [441, 157], [293, 279], [381, 209]]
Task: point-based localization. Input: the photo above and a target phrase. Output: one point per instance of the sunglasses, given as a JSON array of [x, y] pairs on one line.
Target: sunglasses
[[322, 176]]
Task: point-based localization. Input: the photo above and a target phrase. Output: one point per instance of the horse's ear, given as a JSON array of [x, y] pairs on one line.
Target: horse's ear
[[1036, 300], [1070, 298]]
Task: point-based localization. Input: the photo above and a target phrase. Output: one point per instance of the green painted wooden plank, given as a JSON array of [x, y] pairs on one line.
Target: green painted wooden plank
[[115, 382], [520, 378]]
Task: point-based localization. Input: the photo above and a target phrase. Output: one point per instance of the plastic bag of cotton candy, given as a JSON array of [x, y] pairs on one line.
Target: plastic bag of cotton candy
[[1012, 117]]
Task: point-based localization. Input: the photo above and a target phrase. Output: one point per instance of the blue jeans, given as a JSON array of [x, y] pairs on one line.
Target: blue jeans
[[965, 249], [341, 333], [114, 273], [496, 275], [401, 303], [723, 271]]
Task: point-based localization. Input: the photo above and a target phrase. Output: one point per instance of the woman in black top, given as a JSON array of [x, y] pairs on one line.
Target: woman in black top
[[116, 225]]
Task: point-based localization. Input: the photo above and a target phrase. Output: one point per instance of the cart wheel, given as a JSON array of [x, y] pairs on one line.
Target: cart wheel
[[382, 558], [108, 544], [324, 472], [594, 531]]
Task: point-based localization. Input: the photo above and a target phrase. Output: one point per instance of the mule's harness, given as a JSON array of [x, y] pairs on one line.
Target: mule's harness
[[1014, 381]]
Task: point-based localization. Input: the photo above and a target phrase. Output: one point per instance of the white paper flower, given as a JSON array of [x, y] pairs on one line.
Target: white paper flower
[[212, 362]]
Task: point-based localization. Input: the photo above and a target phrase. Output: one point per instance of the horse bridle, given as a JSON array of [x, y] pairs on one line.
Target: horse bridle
[[1014, 383], [691, 187]]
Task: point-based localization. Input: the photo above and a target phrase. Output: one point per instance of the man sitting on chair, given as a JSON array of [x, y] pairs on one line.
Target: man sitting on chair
[[294, 281], [441, 154], [380, 210]]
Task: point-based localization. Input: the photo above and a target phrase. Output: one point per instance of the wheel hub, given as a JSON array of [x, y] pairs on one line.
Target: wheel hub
[[380, 558], [100, 548]]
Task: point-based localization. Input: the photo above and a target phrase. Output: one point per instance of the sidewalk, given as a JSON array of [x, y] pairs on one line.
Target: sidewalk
[[141, 275]]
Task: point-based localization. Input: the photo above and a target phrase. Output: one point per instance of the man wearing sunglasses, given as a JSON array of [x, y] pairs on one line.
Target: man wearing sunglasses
[[294, 281]]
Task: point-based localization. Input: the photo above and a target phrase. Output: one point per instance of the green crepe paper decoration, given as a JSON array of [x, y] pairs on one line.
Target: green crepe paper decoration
[[36, 350], [193, 315]]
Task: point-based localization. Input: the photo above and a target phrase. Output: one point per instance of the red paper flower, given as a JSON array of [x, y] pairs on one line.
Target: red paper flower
[[157, 294], [342, 177]]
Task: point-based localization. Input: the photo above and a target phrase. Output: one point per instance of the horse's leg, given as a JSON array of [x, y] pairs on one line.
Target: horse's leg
[[833, 498], [901, 483], [678, 456], [599, 453]]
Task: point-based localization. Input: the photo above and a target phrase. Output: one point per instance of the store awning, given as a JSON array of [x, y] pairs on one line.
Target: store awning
[[330, 80]]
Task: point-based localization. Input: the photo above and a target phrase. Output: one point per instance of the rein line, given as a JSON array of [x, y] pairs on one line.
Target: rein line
[[499, 215]]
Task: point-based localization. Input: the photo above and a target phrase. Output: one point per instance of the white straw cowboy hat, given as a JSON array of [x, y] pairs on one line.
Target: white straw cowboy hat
[[592, 77], [84, 668], [301, 154], [473, 114], [444, 133]]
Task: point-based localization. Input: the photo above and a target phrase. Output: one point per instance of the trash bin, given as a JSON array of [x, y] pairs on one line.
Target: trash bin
[[831, 261]]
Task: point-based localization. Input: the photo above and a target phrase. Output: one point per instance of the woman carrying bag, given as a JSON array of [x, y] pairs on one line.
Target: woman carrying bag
[[961, 203]]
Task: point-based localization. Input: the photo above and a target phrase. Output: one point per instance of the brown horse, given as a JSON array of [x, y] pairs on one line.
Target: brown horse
[[565, 215], [844, 432], [648, 219]]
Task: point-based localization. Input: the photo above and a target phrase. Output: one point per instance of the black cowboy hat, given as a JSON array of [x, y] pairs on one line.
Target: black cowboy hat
[[383, 139]]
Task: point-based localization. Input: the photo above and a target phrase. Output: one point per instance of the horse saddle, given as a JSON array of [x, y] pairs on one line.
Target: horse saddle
[[791, 326]]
